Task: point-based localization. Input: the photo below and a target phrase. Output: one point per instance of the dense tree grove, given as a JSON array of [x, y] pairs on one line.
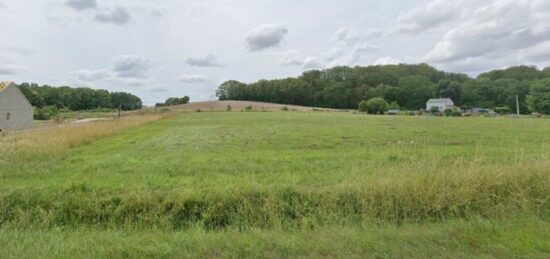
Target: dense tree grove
[[76, 99], [174, 101], [406, 86]]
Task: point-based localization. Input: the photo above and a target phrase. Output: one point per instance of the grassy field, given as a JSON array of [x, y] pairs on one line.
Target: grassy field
[[279, 184]]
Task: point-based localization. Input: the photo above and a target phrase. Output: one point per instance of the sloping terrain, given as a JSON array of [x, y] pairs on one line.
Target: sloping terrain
[[237, 106]]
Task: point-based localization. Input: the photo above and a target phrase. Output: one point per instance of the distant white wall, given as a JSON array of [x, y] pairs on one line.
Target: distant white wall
[[15, 110]]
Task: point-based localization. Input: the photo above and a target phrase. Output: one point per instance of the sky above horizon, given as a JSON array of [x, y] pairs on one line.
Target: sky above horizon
[[158, 49]]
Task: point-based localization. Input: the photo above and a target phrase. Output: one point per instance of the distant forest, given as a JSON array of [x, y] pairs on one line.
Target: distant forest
[[76, 99], [409, 86]]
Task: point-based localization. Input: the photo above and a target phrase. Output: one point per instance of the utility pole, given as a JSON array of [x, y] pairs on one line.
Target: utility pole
[[119, 108], [517, 104]]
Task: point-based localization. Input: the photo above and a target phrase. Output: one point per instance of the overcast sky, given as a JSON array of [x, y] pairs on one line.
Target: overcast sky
[[157, 49]]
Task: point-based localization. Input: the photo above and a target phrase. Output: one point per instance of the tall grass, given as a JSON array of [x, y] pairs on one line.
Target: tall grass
[[41, 144], [422, 198]]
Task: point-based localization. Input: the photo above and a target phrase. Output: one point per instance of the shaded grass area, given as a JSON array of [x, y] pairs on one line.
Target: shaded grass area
[[509, 238], [246, 182]]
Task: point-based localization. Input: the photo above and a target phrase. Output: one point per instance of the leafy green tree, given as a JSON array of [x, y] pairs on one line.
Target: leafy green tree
[[126, 101], [408, 85], [449, 89], [539, 96], [375, 105], [65, 97], [416, 91]]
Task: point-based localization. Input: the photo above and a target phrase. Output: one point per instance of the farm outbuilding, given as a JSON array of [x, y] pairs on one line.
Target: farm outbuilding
[[15, 110]]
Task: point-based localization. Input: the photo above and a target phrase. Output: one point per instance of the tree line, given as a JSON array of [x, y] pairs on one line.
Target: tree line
[[173, 101], [406, 86], [76, 99]]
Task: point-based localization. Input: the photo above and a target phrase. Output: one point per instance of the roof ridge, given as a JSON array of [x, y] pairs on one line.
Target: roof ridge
[[5, 84]]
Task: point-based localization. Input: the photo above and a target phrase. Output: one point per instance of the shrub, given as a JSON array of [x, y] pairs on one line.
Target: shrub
[[374, 106], [434, 110], [394, 106], [286, 109], [248, 108], [503, 110], [46, 112], [448, 112], [229, 108], [456, 113], [198, 110]]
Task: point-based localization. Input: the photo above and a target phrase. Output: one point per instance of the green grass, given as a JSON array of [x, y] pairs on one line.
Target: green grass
[[286, 184], [455, 239]]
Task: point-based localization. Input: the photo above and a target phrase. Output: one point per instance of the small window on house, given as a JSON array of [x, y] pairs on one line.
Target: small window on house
[[8, 116]]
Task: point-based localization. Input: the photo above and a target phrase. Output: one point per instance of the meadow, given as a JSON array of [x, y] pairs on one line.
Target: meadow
[[278, 184]]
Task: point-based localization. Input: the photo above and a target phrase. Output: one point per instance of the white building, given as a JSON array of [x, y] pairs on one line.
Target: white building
[[441, 104], [15, 110]]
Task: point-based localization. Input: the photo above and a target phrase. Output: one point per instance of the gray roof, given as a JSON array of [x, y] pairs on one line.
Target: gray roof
[[440, 100]]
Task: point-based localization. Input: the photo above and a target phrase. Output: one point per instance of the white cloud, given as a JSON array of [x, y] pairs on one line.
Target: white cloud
[[387, 61], [359, 51], [312, 63], [204, 61], [266, 36], [193, 79], [332, 54], [291, 58], [351, 36]]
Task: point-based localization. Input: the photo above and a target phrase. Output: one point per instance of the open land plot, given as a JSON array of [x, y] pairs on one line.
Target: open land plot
[[278, 184]]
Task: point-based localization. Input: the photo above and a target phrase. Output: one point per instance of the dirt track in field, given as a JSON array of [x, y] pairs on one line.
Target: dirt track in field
[[238, 105]]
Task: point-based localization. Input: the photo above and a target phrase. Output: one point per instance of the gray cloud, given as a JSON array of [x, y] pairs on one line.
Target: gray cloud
[[427, 17], [118, 16], [193, 79], [347, 36], [131, 66], [266, 36], [81, 5], [158, 90], [91, 75], [539, 52], [205, 61], [332, 54], [498, 29], [10, 69], [312, 63]]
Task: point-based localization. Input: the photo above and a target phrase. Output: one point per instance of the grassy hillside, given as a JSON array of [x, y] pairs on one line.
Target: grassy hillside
[[282, 184]]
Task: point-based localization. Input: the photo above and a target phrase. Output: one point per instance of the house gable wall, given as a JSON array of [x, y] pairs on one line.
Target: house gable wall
[[15, 109]]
